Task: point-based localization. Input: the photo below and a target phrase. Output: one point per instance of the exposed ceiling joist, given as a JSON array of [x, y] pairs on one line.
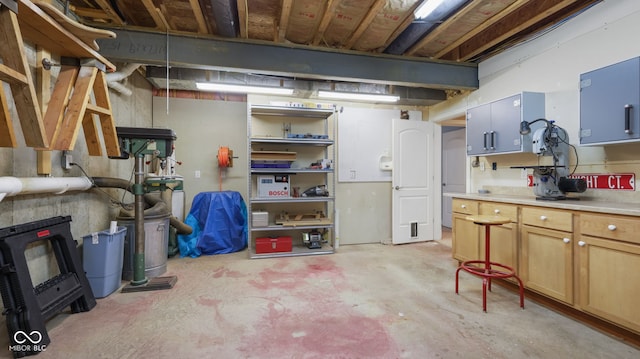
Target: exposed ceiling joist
[[156, 15], [364, 24], [199, 17], [243, 19], [284, 20], [326, 20]]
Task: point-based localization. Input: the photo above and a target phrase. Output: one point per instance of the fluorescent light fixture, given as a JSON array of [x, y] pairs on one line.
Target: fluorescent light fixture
[[207, 86], [427, 8], [358, 96]]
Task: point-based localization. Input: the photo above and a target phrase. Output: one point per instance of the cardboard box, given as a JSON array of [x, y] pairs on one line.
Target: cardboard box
[[274, 244], [259, 219]]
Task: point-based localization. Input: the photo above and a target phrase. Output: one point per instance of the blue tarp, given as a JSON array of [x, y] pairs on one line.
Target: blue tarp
[[219, 222]]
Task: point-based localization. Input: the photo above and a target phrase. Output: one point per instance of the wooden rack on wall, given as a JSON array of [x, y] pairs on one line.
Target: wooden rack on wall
[[70, 105]]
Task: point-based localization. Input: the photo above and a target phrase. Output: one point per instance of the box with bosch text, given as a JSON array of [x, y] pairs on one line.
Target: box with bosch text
[[273, 186]]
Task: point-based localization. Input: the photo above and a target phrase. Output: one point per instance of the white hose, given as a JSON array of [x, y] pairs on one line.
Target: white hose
[[114, 78]]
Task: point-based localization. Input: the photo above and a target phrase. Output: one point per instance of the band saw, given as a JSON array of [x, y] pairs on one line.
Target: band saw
[[553, 181]]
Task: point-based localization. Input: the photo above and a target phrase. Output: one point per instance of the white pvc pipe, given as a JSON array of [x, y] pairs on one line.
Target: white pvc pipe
[[11, 186]]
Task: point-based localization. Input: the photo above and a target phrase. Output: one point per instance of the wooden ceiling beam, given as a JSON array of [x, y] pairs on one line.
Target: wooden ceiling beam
[[284, 20], [154, 12], [110, 11], [197, 12], [490, 22], [534, 12], [451, 23], [409, 18], [94, 14], [365, 23], [329, 12], [243, 18]]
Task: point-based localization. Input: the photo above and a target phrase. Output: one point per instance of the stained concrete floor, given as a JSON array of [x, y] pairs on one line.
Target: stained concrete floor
[[365, 301]]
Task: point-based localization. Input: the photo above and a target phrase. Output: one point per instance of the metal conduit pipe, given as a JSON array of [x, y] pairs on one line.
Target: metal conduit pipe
[[12, 186]]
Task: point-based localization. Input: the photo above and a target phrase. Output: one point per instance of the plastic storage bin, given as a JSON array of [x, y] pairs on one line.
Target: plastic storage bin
[[102, 260]]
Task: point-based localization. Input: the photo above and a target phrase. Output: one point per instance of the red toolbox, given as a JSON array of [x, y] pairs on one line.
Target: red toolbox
[[273, 244]]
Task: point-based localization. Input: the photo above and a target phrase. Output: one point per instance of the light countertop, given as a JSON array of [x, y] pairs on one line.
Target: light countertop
[[582, 204]]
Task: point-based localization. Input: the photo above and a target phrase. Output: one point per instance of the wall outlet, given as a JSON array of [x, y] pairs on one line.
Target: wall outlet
[[66, 160], [197, 174]]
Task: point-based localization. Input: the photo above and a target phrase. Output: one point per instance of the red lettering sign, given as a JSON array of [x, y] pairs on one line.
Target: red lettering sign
[[615, 181], [278, 193], [618, 181]]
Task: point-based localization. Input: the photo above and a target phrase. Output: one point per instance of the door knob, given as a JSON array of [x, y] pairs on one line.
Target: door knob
[[397, 187], [581, 243], [566, 240]]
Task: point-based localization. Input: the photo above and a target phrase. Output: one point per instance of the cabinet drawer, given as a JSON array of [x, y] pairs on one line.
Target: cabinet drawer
[[464, 206], [613, 227], [499, 209], [547, 218]]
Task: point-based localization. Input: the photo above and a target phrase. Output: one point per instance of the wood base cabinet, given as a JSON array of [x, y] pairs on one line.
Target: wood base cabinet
[[547, 262], [465, 241], [546, 257], [504, 238], [608, 268], [586, 260]]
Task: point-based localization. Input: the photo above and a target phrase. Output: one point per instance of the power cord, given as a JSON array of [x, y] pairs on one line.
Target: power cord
[[113, 200]]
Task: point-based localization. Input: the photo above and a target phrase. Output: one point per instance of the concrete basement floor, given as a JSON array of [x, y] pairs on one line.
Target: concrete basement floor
[[364, 301]]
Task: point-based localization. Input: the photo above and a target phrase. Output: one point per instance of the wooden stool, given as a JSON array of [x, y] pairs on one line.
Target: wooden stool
[[486, 271]]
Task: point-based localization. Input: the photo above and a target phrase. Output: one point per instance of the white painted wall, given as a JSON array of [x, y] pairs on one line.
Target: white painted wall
[[201, 127], [552, 63]]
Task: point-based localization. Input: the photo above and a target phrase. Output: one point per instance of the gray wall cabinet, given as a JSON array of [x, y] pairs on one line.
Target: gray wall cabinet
[[494, 127], [609, 104]]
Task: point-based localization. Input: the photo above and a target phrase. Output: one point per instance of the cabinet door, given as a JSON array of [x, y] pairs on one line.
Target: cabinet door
[[607, 285], [605, 97], [546, 263], [503, 245], [504, 238], [505, 124], [478, 129], [465, 238]]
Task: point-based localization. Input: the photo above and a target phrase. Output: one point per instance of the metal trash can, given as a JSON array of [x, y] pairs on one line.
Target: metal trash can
[[156, 245]]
